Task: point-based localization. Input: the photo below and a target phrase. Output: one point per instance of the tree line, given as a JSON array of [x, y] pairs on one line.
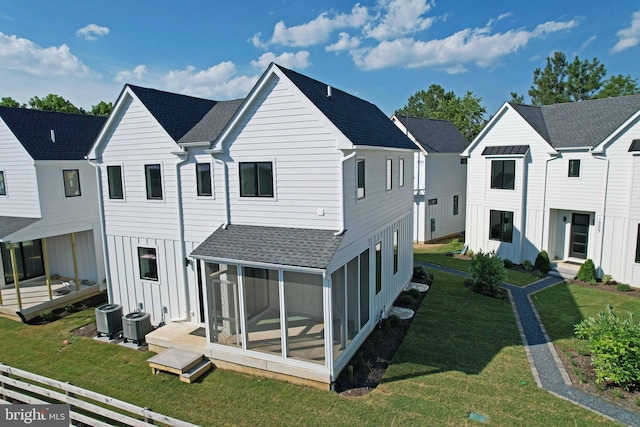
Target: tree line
[[53, 102]]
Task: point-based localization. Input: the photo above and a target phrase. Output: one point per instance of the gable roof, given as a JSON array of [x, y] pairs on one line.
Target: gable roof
[[299, 247], [435, 135], [74, 133], [213, 123], [360, 121], [176, 113], [579, 124]]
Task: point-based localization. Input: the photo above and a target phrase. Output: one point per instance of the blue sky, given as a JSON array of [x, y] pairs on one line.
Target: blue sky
[[380, 50]]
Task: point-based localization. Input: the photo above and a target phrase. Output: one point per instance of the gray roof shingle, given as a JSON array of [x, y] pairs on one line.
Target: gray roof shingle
[[360, 121], [434, 135], [176, 113], [299, 247], [213, 123], [11, 224], [74, 133], [579, 124], [493, 150]]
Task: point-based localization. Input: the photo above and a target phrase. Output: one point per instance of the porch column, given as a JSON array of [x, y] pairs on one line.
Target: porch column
[[75, 261], [14, 266], [47, 275]]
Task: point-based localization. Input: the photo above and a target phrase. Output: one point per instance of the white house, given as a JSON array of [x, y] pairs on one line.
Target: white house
[[278, 226], [48, 197], [564, 178], [440, 177]]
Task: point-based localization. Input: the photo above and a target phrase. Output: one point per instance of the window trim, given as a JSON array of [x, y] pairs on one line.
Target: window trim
[[147, 168], [3, 193], [396, 242], [456, 204], [401, 172], [500, 238], [361, 194], [272, 196], [378, 266], [111, 197], [64, 183], [502, 186], [638, 246], [199, 181], [389, 176], [432, 202], [141, 256], [575, 174]]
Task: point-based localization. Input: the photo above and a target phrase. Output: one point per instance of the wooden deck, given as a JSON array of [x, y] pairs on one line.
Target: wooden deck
[[35, 298]]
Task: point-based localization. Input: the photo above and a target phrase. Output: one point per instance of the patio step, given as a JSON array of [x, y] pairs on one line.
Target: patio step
[[564, 270], [186, 364], [195, 372]]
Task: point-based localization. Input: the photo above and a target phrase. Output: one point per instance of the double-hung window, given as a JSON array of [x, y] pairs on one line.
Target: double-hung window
[[389, 174], [501, 226], [503, 174], [114, 177], [71, 178], [256, 179], [153, 179], [3, 185], [148, 264], [360, 178], [203, 178]]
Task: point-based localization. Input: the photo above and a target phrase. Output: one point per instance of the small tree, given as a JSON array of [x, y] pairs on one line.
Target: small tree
[[542, 262], [587, 272], [487, 272]]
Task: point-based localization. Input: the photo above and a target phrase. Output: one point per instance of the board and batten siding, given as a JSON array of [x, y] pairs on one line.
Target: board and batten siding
[[22, 199], [284, 128]]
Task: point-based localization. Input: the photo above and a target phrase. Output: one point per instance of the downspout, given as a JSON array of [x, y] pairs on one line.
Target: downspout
[[544, 201], [183, 156], [227, 208], [604, 210], [344, 215], [103, 230]]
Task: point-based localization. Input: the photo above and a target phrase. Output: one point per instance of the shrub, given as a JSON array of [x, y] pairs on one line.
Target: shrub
[[623, 287], [615, 347], [46, 316], [487, 272], [526, 264], [470, 253], [405, 300], [587, 272], [419, 272], [413, 292], [607, 279], [456, 245], [542, 262], [507, 263]]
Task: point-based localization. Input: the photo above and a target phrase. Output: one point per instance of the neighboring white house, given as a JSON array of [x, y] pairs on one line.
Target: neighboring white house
[[48, 196], [564, 178], [280, 225], [440, 177]]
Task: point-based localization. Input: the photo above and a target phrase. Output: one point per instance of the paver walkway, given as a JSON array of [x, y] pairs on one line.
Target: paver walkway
[[545, 365]]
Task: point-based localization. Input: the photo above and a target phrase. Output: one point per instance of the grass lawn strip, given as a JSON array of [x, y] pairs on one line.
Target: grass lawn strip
[[462, 353]]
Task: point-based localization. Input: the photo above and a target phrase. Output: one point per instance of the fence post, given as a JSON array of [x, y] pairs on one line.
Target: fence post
[[146, 418], [70, 394], [3, 386]]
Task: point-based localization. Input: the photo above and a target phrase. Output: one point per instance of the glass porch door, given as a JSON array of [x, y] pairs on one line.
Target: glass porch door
[[29, 260], [579, 236]]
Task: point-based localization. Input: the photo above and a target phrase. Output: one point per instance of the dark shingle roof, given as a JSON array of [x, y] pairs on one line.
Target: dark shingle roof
[[505, 149], [11, 224], [213, 123], [635, 145], [435, 136], [177, 114], [580, 124], [74, 133], [360, 121], [299, 247]]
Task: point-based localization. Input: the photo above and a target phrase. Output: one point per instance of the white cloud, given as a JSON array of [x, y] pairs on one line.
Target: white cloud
[[476, 45], [92, 31], [317, 30], [125, 76], [25, 56], [584, 45], [298, 60], [628, 37], [401, 17], [346, 42], [218, 81]]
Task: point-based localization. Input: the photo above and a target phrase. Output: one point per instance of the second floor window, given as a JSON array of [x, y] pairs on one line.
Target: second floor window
[[574, 168], [389, 174], [203, 177], [503, 174], [256, 179], [401, 173], [3, 187], [114, 177], [71, 179], [360, 178], [153, 178]]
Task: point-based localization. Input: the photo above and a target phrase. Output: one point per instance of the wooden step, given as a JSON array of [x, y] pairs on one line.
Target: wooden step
[[174, 360], [195, 372]]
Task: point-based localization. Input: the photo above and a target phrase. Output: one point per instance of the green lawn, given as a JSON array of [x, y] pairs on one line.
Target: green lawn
[[436, 255], [565, 305], [462, 353]]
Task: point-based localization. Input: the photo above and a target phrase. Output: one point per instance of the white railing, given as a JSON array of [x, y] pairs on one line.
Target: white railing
[[15, 390]]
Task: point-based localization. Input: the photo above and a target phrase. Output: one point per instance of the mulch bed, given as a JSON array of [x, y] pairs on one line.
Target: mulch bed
[[634, 292]]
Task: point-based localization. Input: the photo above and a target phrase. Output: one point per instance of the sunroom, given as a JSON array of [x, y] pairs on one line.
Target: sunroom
[[271, 303]]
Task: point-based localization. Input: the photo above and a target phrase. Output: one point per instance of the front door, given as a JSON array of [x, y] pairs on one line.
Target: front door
[[579, 236]]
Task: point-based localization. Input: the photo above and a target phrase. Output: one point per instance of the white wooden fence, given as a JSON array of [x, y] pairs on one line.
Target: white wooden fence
[[13, 389]]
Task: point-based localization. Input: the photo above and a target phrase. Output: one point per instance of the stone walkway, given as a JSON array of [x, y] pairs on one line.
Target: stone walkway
[[547, 368]]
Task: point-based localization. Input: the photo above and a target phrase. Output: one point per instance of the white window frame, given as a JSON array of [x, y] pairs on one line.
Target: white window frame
[[106, 169], [361, 193], [401, 172], [389, 175], [204, 196], [146, 190], [4, 182]]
